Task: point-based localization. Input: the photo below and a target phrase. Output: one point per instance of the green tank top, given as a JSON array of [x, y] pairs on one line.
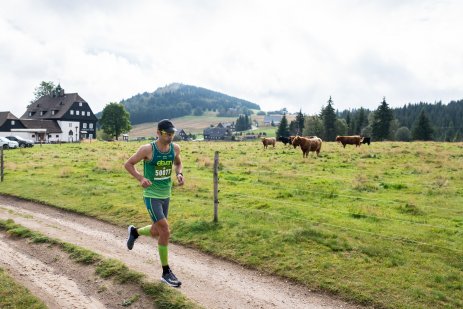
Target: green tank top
[[159, 172]]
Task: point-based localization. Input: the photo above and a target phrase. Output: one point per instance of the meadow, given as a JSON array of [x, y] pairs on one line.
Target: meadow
[[379, 225]]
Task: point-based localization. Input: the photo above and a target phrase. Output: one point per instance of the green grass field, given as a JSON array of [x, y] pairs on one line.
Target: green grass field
[[380, 224]]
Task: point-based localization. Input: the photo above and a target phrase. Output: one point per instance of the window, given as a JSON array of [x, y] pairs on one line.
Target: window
[[57, 136], [90, 125], [31, 113], [71, 112], [88, 113], [12, 122], [80, 103], [84, 125], [77, 113], [43, 113], [53, 112]]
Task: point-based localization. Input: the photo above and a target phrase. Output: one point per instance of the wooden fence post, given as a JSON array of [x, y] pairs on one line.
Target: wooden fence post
[[216, 186], [1, 164]]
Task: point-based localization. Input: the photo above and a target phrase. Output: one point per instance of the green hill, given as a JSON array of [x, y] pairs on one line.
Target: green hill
[[178, 100]]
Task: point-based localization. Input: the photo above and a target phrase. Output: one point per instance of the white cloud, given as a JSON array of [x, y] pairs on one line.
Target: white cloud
[[292, 54]]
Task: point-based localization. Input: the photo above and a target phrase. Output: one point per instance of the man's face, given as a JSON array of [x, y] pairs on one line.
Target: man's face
[[166, 137]]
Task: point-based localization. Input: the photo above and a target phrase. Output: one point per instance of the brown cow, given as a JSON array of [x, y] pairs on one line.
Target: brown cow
[[308, 144], [268, 141], [349, 140]]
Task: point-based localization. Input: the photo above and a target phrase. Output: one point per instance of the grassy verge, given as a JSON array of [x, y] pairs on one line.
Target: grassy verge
[[13, 295], [379, 224], [163, 296]]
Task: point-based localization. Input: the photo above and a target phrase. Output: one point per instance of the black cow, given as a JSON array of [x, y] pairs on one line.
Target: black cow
[[284, 140], [366, 140]]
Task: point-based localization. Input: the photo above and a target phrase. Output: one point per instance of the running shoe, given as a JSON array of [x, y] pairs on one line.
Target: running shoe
[[170, 279], [133, 235]]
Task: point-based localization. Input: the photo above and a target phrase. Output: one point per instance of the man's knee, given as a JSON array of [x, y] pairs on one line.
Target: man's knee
[[162, 228]]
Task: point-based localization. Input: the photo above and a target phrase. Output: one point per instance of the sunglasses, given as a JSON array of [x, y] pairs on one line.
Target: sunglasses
[[167, 133]]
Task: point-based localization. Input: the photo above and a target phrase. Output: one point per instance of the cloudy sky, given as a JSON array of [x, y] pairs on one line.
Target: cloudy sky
[[293, 54]]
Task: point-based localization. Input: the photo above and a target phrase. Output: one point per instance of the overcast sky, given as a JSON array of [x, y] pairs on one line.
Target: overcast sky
[[293, 54]]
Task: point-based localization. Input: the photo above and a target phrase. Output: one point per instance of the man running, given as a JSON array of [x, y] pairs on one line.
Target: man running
[[158, 159]]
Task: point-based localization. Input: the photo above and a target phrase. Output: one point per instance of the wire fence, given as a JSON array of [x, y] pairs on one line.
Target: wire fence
[[277, 187]]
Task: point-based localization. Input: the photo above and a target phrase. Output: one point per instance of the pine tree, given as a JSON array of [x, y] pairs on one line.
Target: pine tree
[[329, 121], [422, 129], [362, 121], [246, 122], [382, 121], [299, 122], [283, 130], [350, 130]]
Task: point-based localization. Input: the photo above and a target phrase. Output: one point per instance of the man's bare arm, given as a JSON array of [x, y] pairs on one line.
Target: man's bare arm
[[178, 165], [129, 165]]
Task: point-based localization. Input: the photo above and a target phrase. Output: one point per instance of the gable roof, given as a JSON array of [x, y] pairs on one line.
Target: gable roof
[[61, 104], [4, 116], [51, 125]]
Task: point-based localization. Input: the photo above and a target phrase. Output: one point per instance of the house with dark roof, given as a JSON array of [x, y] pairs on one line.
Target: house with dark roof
[[64, 116], [215, 133], [59, 117], [183, 135], [9, 121]]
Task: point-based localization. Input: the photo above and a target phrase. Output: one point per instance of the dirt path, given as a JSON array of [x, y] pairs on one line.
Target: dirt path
[[211, 282]]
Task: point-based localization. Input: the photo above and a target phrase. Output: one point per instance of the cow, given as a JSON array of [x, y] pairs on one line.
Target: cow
[[366, 140], [308, 144], [285, 140], [268, 141], [349, 140], [291, 139]]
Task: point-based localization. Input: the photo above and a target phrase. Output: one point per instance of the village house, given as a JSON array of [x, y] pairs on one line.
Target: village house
[[276, 119], [215, 133], [183, 135], [59, 117]]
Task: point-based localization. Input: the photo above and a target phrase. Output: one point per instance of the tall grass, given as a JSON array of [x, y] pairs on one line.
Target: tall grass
[[379, 224]]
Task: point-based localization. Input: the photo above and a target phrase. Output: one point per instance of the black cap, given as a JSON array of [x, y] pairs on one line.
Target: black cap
[[166, 125]]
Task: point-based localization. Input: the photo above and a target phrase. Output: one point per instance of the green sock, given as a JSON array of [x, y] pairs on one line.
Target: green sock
[[163, 254], [145, 230]]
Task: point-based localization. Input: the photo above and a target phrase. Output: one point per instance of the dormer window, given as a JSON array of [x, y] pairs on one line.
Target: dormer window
[[53, 112], [31, 114], [43, 113]]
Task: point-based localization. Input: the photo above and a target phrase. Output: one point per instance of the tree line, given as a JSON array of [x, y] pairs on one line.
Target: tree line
[[422, 121]]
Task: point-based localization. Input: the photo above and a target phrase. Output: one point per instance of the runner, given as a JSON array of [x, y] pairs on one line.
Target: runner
[[158, 159]]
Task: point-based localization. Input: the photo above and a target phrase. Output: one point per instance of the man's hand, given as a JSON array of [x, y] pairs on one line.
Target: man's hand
[[145, 183], [181, 179]]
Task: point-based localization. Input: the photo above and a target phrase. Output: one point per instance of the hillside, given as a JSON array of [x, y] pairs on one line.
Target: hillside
[[178, 100], [196, 124]]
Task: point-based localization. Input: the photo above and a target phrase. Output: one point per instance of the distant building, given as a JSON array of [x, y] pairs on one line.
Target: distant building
[[9, 121], [276, 119], [59, 117], [183, 135], [215, 133]]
